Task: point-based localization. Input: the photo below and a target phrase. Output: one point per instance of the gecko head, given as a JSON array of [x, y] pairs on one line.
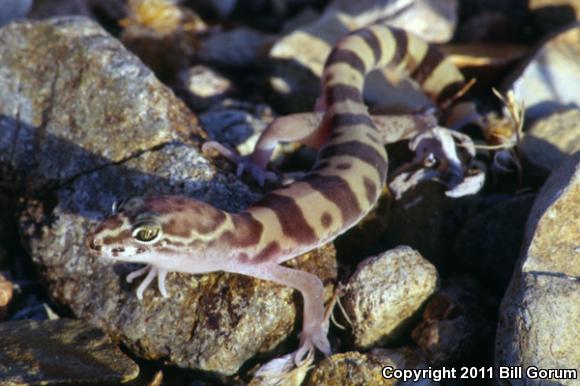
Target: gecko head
[[143, 229]]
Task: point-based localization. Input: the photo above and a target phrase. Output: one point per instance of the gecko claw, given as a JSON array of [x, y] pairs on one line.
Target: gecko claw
[[244, 163]]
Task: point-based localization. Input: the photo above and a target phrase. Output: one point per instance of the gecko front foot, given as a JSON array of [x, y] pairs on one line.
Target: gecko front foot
[[244, 163], [151, 272]]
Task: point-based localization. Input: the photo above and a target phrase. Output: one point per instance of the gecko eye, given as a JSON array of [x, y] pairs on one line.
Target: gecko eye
[[147, 232]]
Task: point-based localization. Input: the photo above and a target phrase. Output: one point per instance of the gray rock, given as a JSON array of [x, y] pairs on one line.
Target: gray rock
[[550, 80], [540, 314], [551, 140], [385, 293], [95, 126], [62, 351], [78, 102]]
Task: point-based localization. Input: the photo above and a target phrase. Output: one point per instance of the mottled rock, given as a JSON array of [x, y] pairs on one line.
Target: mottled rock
[[454, 327], [5, 295], [60, 352], [489, 243], [548, 81], [540, 314], [385, 293], [95, 126], [551, 140], [354, 368], [549, 15], [201, 86], [218, 321], [78, 102]]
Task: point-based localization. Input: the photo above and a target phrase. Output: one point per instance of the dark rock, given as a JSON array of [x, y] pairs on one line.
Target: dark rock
[[489, 244], [62, 351], [454, 327]]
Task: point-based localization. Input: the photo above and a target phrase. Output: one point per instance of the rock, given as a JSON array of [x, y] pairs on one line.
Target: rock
[[14, 9], [547, 82], [540, 315], [111, 9], [549, 15], [5, 295], [93, 103], [235, 48], [553, 139], [385, 293], [200, 87], [493, 20], [489, 244], [454, 328], [63, 351], [424, 219], [209, 314], [162, 33], [99, 127], [237, 124], [354, 368], [43, 9]]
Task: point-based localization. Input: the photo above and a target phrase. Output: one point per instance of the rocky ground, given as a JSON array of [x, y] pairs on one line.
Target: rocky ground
[[100, 101]]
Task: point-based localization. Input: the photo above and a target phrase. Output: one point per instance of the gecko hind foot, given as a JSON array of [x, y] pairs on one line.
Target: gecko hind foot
[[244, 163]]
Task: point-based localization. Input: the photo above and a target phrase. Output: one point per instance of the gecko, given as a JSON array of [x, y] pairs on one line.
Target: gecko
[[172, 233]]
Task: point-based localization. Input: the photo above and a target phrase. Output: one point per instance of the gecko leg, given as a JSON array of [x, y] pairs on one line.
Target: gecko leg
[[308, 129], [314, 321]]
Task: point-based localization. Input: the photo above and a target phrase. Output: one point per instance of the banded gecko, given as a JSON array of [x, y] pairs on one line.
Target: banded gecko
[[181, 234]]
